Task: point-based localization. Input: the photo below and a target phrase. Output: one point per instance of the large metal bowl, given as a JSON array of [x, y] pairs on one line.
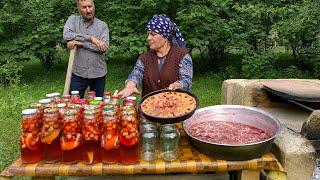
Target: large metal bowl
[[239, 114]]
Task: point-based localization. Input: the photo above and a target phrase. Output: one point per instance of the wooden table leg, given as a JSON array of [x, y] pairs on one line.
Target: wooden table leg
[[43, 178], [249, 175]]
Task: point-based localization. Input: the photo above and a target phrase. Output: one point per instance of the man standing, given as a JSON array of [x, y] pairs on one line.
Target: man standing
[[91, 36]]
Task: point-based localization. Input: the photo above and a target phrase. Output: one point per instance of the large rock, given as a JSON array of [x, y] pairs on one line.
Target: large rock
[[311, 127], [296, 154], [244, 92]]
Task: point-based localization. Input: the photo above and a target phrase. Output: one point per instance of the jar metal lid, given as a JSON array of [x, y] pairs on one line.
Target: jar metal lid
[[44, 101], [133, 98], [98, 98], [28, 111], [35, 105], [89, 112], [70, 112], [91, 93], [56, 94], [74, 92], [95, 102], [109, 107], [66, 96], [109, 113], [61, 105], [74, 106], [50, 110], [107, 93], [115, 96], [50, 95], [80, 101]]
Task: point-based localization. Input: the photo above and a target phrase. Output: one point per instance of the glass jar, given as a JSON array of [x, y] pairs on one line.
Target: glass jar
[[50, 135], [107, 97], [169, 142], [129, 138], [74, 96], [98, 107], [79, 109], [44, 103], [66, 98], [117, 105], [110, 138], [71, 137], [56, 98], [91, 95], [30, 143], [129, 117], [36, 106], [149, 142], [50, 96], [61, 109], [91, 135], [130, 101]]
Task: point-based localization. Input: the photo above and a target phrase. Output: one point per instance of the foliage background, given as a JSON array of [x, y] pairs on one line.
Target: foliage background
[[256, 32]]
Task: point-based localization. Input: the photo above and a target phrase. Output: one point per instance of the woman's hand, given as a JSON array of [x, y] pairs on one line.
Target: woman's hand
[[175, 86], [130, 89]]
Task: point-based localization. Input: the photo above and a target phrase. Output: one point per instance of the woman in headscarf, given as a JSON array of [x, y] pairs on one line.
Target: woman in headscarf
[[167, 64]]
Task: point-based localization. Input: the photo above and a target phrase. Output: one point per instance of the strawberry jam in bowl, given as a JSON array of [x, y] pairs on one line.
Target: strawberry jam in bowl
[[231, 132]]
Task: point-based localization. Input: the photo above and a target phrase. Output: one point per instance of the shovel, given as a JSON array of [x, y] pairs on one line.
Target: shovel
[[69, 71]]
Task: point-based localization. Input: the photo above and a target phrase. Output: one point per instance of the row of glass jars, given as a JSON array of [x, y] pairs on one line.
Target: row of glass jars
[[159, 141], [74, 97], [47, 130], [72, 136]]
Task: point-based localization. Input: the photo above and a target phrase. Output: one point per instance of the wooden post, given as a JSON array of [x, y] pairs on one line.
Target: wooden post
[[69, 71]]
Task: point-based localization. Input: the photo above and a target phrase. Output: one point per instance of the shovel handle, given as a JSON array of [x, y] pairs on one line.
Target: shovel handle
[[69, 71]]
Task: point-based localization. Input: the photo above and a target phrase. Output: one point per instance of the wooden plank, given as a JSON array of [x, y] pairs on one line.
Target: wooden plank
[[69, 71], [249, 175]]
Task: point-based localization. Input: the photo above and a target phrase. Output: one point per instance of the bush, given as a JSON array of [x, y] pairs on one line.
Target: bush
[[10, 72], [259, 65], [266, 65]]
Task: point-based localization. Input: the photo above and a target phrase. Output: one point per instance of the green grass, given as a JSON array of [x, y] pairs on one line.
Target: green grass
[[36, 82]]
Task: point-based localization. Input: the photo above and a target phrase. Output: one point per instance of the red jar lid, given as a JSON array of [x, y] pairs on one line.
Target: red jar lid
[[115, 96], [91, 93], [80, 101], [107, 93], [67, 96]]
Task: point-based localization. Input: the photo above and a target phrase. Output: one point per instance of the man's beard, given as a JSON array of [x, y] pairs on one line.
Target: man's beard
[[88, 17]]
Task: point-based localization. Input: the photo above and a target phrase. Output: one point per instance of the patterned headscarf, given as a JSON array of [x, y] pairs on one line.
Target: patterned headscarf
[[162, 24]]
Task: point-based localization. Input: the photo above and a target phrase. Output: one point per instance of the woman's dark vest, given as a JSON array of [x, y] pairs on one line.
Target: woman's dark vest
[[153, 79]]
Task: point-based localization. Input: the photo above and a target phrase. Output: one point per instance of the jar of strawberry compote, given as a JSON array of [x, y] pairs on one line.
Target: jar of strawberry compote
[[30, 143], [71, 138]]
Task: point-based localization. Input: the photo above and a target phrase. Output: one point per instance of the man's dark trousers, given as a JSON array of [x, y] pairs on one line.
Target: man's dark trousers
[[80, 84]]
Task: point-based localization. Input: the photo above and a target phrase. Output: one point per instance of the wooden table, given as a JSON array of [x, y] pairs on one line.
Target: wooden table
[[190, 162]]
